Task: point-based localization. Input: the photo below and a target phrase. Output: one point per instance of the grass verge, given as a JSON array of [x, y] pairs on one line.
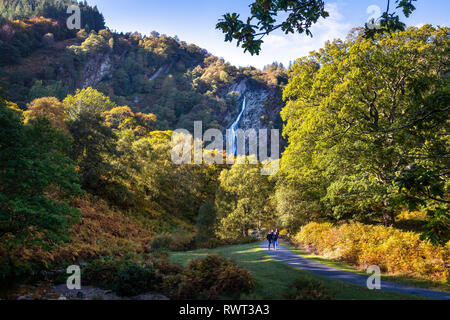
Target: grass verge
[[274, 277]]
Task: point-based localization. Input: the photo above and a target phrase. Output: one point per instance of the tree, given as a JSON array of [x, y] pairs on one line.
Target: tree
[[242, 199], [294, 208], [206, 221], [55, 9], [390, 21], [9, 54], [157, 179], [360, 115], [124, 118], [301, 16], [37, 181], [49, 108], [94, 141], [87, 100], [427, 189], [53, 89], [120, 118]]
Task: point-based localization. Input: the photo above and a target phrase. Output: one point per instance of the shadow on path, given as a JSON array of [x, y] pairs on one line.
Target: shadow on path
[[285, 255]]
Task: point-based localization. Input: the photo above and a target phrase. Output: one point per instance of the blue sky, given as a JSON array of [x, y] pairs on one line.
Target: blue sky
[[194, 21]]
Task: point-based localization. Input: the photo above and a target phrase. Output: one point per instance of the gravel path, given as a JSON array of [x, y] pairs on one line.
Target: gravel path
[[285, 255]]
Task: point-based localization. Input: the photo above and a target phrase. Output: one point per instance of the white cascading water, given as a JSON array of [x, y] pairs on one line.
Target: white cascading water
[[232, 136]]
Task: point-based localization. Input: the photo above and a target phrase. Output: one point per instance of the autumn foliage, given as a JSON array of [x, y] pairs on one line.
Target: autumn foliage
[[394, 251], [100, 232]]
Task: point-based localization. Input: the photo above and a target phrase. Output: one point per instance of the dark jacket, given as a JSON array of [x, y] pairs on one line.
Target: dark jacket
[[269, 236], [275, 236]]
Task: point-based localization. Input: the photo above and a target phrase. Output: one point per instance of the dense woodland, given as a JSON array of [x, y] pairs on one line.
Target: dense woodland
[[86, 171], [191, 86], [53, 9]]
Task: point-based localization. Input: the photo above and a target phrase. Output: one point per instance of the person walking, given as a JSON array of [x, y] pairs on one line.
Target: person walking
[[275, 237], [269, 238]]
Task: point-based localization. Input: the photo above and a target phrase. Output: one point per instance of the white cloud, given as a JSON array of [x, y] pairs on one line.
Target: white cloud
[[275, 40], [284, 48]]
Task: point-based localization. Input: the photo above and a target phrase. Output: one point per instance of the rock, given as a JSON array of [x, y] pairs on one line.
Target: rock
[[251, 119], [61, 292], [260, 111], [150, 296], [98, 67]]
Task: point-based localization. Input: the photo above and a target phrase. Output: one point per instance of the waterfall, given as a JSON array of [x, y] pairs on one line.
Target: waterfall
[[231, 132]]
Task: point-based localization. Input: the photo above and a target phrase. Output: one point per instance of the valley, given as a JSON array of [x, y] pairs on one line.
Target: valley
[[89, 177]]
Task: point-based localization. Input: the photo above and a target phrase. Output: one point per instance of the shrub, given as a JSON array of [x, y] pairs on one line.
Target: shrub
[[180, 240], [101, 232], [394, 251], [125, 275], [135, 279], [243, 240], [48, 40], [306, 288], [170, 285], [233, 280], [214, 242], [213, 277], [162, 241], [166, 268], [210, 243], [102, 272]]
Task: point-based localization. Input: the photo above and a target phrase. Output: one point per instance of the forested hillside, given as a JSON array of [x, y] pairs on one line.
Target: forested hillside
[[176, 81], [54, 9]]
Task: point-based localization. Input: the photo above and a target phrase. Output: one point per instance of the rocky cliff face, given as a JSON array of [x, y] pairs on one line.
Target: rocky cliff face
[[262, 109], [97, 68], [263, 105], [255, 110]]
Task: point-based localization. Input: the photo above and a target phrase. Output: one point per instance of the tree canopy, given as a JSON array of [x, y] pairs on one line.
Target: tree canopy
[[37, 177], [242, 199], [301, 16], [362, 119], [91, 18]]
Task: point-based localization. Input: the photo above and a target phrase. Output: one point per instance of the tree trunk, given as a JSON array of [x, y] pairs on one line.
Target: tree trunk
[[388, 214]]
